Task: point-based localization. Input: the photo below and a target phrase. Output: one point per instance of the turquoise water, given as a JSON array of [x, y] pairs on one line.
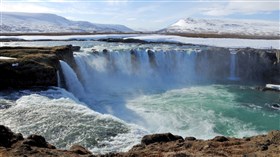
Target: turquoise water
[[210, 110]]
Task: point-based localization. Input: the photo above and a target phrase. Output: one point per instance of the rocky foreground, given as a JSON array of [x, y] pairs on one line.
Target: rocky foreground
[[157, 145]]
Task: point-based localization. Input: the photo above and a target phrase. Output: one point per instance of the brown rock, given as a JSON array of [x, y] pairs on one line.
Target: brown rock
[[155, 138], [36, 140], [79, 150], [220, 139], [190, 139]]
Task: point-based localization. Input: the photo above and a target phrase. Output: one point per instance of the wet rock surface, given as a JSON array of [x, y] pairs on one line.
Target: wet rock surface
[[251, 65], [32, 66]]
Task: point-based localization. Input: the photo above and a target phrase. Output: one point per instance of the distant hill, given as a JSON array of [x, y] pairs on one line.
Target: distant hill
[[51, 23], [221, 27]]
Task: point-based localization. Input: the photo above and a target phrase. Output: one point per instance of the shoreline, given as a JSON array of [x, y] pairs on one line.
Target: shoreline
[[195, 35], [166, 144]]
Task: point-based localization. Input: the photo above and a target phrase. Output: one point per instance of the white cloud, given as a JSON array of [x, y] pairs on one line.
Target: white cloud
[[131, 19], [244, 7], [116, 2], [27, 7]]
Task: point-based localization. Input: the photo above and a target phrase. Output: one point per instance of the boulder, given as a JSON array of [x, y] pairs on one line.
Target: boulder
[[220, 139], [76, 48], [190, 139], [37, 141], [157, 138], [7, 137], [79, 150]]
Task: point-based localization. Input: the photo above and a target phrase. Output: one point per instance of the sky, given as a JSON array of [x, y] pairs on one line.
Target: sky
[[148, 14]]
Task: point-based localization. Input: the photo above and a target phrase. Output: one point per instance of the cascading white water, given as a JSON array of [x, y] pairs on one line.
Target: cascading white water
[[58, 79], [136, 68], [72, 82], [233, 70], [121, 74]]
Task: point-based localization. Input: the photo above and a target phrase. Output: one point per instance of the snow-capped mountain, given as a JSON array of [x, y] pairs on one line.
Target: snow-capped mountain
[[46, 23], [215, 26]]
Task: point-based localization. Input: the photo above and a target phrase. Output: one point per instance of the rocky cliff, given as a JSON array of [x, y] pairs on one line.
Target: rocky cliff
[[251, 65], [24, 67]]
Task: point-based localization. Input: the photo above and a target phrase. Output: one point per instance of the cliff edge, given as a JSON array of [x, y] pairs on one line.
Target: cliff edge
[[24, 67]]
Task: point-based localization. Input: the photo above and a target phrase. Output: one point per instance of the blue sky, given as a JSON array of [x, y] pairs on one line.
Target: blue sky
[[145, 14]]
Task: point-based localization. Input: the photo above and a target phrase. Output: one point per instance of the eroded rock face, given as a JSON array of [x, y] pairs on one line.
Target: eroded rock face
[[33, 66], [251, 65], [14, 145], [259, 65]]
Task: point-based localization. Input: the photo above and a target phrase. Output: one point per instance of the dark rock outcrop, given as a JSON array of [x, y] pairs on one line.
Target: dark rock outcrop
[[7, 137], [251, 65], [155, 138], [14, 145], [32, 66], [259, 65], [220, 139]]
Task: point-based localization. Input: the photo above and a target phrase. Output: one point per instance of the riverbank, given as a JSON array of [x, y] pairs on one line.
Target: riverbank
[[156, 145]]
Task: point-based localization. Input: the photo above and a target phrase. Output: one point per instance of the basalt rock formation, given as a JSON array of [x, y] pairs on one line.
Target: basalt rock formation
[[32, 66], [251, 65]]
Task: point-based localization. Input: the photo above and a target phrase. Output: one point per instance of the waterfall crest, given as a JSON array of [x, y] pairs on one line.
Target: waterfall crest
[[135, 69]]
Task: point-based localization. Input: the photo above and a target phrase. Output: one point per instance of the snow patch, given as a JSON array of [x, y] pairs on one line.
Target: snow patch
[[219, 42], [6, 58]]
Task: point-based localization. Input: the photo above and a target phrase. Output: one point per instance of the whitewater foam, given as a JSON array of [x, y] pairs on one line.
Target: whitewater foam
[[64, 121]]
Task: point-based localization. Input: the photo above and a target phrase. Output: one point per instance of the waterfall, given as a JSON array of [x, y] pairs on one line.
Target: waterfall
[[58, 79], [134, 69], [72, 82], [106, 78], [233, 70]]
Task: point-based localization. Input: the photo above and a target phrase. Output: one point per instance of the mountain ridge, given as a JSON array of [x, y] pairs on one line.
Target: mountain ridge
[[17, 22], [223, 26]]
